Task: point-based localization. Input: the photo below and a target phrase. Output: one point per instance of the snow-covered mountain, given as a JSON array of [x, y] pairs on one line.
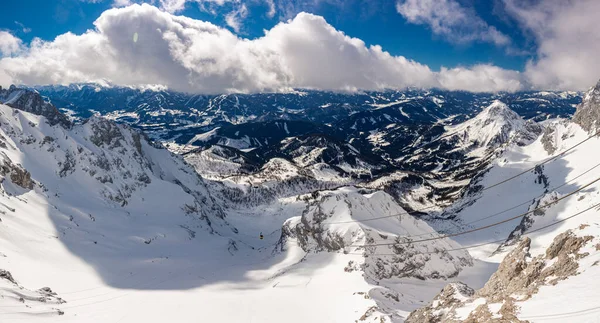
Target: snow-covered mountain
[[29, 101], [94, 212], [177, 117], [359, 217], [496, 125], [433, 169], [541, 227]]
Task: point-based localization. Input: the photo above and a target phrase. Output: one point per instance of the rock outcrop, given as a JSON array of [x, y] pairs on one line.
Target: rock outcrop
[[13, 291], [340, 221], [517, 279], [18, 175], [588, 112], [447, 301]]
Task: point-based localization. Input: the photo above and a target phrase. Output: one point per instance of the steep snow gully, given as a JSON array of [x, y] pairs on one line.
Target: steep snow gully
[[100, 224]]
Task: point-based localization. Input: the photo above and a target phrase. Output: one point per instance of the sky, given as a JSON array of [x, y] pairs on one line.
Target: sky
[[218, 46]]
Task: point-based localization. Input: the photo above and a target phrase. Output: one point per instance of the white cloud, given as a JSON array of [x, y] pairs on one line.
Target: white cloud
[[272, 9], [234, 18], [567, 38], [174, 6], [122, 3], [24, 28], [9, 44], [195, 56], [451, 20], [481, 78]]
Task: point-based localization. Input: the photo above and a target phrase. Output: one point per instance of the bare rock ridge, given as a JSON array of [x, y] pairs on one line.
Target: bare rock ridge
[[18, 175], [588, 112], [32, 102], [517, 279]]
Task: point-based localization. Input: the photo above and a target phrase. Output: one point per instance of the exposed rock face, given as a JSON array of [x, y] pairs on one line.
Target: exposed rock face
[[105, 133], [588, 112], [32, 102], [517, 279], [517, 275], [547, 142], [309, 232], [5, 274], [18, 175], [538, 210], [555, 133], [451, 297]]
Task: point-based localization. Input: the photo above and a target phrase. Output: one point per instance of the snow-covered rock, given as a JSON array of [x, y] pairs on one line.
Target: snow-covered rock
[[220, 162], [15, 296], [518, 278], [588, 111], [347, 220]]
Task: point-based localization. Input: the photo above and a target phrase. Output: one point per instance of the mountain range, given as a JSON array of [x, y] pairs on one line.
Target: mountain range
[[131, 205]]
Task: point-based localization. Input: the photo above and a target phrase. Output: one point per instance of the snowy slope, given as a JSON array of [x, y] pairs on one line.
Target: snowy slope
[[549, 252]]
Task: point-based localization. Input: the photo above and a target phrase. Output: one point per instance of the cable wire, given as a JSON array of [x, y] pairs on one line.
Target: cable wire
[[485, 189], [493, 224], [490, 242], [506, 210]]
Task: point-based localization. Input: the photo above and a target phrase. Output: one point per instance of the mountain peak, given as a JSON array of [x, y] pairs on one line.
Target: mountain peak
[[496, 125], [31, 101], [499, 109]]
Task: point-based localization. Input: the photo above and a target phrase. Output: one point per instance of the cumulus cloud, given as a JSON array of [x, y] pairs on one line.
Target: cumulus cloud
[[234, 18], [567, 39], [9, 44], [481, 78], [140, 45], [450, 19]]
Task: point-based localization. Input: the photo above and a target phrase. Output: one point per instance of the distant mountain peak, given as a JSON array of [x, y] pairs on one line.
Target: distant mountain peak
[[499, 109], [495, 125]]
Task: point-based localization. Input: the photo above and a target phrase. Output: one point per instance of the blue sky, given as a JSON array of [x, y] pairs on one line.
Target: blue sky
[[473, 45], [382, 26]]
